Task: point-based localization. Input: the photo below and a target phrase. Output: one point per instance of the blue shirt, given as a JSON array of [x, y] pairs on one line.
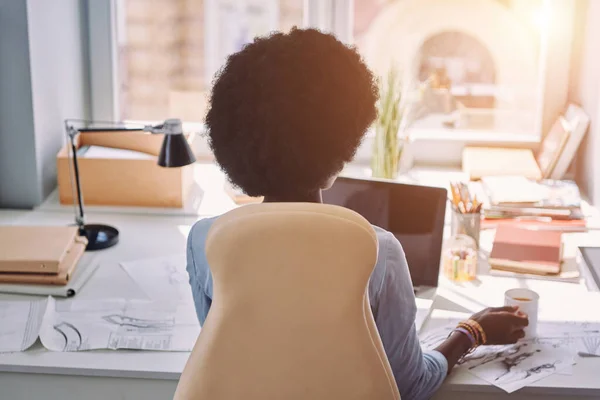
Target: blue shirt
[[418, 374]]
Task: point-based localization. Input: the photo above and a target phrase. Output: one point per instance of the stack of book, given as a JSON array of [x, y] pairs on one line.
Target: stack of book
[[41, 255], [546, 204]]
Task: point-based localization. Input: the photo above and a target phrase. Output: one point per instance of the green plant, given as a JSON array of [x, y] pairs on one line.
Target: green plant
[[388, 146]]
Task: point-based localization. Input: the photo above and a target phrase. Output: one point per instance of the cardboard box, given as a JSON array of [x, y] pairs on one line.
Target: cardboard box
[[124, 182]]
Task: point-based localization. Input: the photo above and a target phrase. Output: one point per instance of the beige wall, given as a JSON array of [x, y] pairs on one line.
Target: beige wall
[[585, 91]]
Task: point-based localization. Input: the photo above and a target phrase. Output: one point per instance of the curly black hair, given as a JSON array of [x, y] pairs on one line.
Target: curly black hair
[[288, 110]]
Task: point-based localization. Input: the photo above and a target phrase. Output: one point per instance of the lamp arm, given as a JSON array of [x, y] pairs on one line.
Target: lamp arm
[[80, 217]]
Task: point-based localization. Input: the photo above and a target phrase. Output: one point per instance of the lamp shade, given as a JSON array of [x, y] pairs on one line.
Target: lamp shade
[[175, 152]]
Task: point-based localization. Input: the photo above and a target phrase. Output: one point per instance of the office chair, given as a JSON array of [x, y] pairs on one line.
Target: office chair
[[290, 317]]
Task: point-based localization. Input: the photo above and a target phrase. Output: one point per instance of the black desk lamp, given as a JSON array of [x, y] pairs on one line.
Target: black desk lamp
[[174, 152]]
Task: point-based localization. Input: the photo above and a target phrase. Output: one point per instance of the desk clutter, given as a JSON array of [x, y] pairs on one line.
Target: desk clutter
[[165, 321], [529, 217], [526, 199], [554, 350]]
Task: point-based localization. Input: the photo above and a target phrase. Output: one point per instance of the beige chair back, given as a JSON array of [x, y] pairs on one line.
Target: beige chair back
[[290, 316]]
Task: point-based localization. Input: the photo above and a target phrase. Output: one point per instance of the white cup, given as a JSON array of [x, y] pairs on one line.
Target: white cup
[[528, 302]]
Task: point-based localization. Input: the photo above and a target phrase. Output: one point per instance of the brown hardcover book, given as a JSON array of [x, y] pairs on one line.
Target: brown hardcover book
[[526, 251], [65, 269], [36, 249]]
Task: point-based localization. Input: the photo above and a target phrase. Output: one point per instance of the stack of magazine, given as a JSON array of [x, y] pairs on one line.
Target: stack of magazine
[[546, 204]]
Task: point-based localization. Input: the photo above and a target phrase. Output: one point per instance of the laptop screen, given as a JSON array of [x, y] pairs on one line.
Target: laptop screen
[[414, 214]]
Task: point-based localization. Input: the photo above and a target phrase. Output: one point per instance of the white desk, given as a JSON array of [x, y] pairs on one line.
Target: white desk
[[38, 373], [100, 374]]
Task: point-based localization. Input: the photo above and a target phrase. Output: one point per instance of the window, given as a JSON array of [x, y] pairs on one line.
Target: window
[[470, 66], [168, 51], [476, 71]]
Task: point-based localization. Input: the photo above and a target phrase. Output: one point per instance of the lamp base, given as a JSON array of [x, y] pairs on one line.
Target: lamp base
[[100, 236]]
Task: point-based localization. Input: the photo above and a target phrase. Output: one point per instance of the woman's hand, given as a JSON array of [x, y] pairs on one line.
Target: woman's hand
[[502, 325]]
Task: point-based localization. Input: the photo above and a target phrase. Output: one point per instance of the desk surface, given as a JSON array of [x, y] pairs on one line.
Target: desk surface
[[144, 236]]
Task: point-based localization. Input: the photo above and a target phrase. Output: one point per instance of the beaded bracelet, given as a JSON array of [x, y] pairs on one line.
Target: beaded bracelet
[[479, 329]]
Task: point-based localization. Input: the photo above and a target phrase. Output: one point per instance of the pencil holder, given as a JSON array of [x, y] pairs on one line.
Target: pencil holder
[[466, 224]]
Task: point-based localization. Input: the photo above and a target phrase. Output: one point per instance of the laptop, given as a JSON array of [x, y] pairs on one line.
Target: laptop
[[413, 213]]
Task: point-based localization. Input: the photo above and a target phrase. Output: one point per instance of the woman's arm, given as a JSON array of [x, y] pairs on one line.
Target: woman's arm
[[454, 348], [197, 268], [418, 374]]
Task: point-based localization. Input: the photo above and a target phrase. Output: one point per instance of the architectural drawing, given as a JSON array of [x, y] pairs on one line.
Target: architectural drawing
[[139, 323], [119, 324], [20, 324]]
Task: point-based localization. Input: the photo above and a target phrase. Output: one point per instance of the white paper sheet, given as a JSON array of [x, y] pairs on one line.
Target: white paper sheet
[[161, 279], [112, 153], [584, 345], [20, 324], [76, 325]]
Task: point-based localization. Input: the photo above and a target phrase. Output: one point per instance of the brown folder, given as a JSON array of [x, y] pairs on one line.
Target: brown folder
[[38, 249]]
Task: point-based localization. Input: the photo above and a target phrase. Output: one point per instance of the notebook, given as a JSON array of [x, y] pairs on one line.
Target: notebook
[[526, 251], [37, 249], [513, 189], [478, 162], [519, 191], [578, 122], [553, 146]]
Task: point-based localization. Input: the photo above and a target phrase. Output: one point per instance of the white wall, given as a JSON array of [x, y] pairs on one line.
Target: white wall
[[585, 90], [43, 63], [18, 165], [56, 41]]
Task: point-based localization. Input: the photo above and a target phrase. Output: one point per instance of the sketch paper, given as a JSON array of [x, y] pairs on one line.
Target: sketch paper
[[21, 321], [520, 365], [581, 336], [76, 325], [161, 279]]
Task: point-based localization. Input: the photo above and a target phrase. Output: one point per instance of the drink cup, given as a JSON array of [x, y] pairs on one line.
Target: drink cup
[[528, 302]]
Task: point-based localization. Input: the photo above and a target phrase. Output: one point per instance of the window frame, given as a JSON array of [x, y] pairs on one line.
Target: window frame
[[337, 16]]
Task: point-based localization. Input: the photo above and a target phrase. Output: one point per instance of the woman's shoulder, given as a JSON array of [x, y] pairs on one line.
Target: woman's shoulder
[[390, 256], [385, 238]]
